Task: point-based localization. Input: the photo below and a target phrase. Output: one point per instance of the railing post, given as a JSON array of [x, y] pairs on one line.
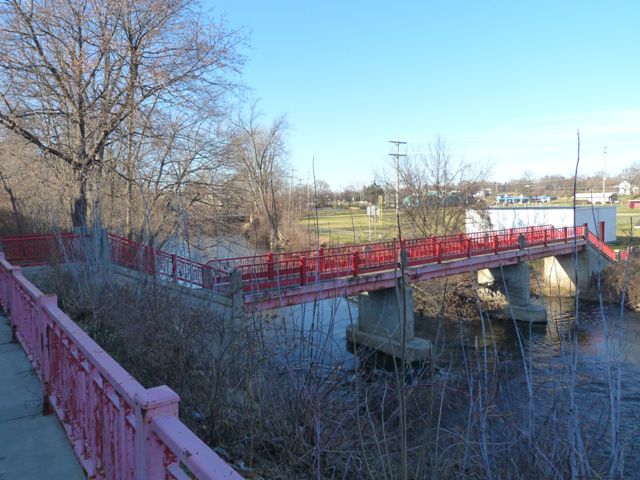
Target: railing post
[[546, 231], [152, 260], [45, 301], [303, 270], [270, 269], [14, 308], [564, 234], [355, 261], [150, 461], [320, 260], [174, 268], [468, 247], [439, 252], [601, 225], [522, 241], [495, 244], [510, 235], [585, 231]]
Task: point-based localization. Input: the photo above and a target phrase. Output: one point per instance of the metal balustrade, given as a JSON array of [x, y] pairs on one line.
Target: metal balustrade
[[278, 270], [274, 271], [118, 428]]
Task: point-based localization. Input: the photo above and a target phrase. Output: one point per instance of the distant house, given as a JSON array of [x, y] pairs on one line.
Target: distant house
[[625, 188]]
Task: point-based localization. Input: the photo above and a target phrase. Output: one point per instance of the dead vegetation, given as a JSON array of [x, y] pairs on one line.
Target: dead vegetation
[[273, 399]]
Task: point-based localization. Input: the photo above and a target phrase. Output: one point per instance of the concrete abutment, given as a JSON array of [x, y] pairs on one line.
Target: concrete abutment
[[572, 274]]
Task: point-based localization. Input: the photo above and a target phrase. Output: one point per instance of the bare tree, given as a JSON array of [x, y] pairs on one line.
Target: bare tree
[[437, 189], [71, 73], [259, 153]]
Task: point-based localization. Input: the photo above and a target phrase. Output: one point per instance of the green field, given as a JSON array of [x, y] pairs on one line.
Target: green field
[[343, 226], [626, 221], [352, 226]]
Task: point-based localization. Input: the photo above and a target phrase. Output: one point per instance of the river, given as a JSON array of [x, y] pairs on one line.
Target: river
[[531, 366], [536, 372]]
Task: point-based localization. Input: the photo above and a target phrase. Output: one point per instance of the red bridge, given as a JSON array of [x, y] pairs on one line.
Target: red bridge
[[119, 429], [281, 279]]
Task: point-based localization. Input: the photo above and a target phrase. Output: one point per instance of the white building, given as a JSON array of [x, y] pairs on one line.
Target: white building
[[504, 218], [597, 197], [625, 188]]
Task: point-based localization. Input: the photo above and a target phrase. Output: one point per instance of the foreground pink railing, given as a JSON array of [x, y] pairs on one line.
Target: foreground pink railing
[[118, 429]]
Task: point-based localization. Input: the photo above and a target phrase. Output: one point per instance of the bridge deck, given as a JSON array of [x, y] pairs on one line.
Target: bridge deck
[[282, 279], [351, 285], [30, 443]]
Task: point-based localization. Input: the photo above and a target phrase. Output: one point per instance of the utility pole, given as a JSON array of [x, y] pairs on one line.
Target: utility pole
[[604, 169], [308, 194], [397, 156], [290, 188]]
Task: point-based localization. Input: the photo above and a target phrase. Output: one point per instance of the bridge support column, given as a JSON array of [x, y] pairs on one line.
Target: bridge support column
[[560, 273], [514, 281], [380, 315]]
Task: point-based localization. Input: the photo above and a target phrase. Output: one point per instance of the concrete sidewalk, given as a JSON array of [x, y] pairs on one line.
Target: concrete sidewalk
[[32, 446]]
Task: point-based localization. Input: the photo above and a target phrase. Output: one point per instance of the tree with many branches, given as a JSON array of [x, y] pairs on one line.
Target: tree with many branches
[[73, 72]]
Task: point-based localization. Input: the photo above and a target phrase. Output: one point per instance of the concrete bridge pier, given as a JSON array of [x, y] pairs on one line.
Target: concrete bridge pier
[[380, 315], [514, 282], [568, 275]]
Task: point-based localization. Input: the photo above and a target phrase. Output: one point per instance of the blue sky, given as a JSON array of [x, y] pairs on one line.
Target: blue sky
[[507, 83]]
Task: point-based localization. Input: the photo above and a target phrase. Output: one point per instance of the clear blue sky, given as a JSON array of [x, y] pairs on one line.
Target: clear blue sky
[[505, 82]]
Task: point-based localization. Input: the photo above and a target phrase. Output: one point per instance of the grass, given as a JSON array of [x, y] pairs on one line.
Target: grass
[[345, 226], [352, 226]]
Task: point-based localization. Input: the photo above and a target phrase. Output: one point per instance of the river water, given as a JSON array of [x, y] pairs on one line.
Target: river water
[[590, 359], [531, 364]]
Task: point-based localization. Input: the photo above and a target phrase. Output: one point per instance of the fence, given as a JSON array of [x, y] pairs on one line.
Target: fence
[[44, 249], [118, 428], [272, 270], [277, 270]]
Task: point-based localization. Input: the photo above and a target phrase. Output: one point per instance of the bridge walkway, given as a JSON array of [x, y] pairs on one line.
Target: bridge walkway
[[32, 445]]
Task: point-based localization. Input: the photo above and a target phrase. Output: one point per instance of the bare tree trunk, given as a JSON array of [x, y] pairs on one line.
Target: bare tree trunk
[[79, 214], [14, 201]]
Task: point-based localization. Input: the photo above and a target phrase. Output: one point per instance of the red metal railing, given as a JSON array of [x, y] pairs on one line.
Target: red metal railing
[[273, 270], [605, 249], [118, 429], [277, 270], [41, 249], [170, 266]]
